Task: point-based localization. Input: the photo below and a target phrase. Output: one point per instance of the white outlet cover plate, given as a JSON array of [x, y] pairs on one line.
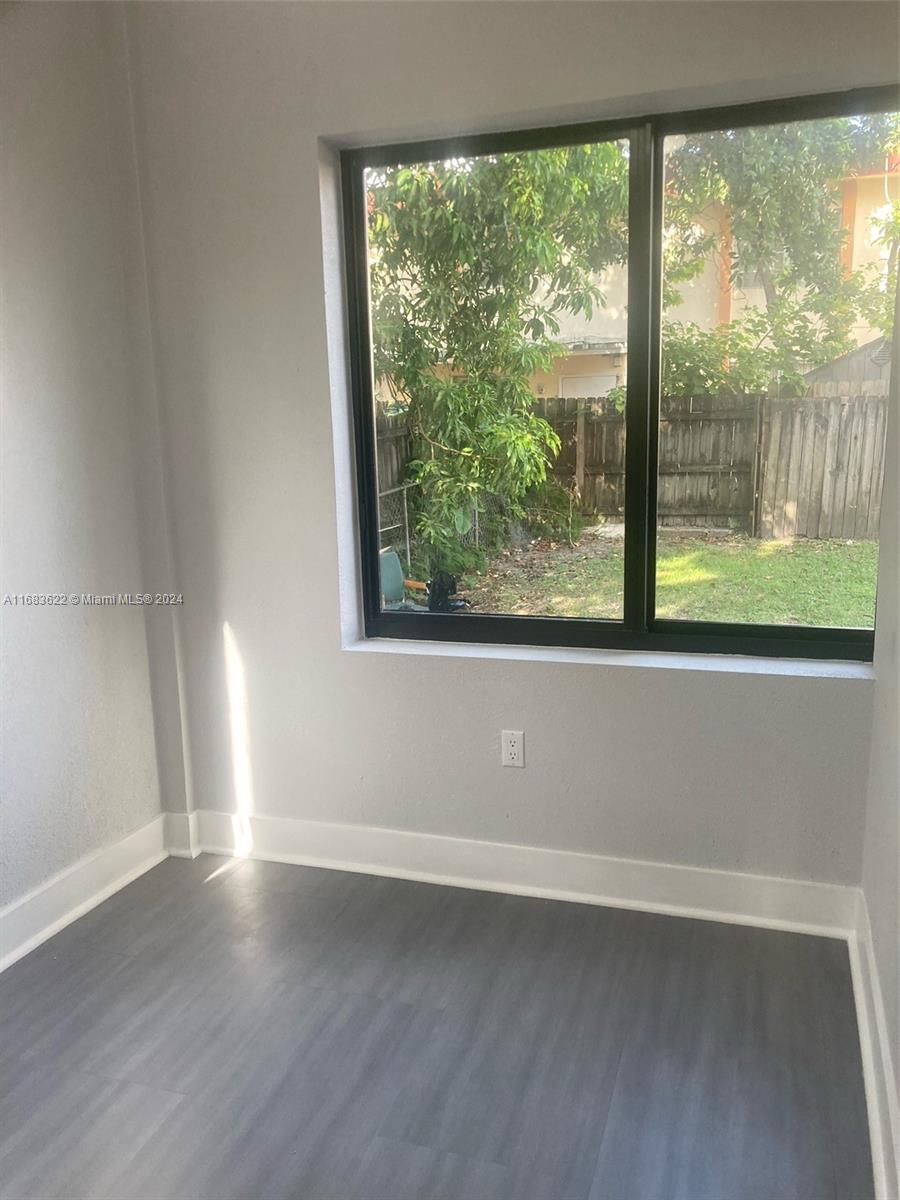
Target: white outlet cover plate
[[512, 748]]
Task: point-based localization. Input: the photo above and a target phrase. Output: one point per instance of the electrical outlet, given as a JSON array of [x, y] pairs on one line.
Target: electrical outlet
[[512, 748]]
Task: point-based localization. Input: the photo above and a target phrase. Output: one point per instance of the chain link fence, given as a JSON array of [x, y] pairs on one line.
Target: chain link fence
[[396, 520]]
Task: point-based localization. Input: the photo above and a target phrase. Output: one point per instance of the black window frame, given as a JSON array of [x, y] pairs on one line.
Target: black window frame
[[640, 628]]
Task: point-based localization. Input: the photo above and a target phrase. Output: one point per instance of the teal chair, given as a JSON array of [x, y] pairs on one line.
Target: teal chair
[[393, 585]]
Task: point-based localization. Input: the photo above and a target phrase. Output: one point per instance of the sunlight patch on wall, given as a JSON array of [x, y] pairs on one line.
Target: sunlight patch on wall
[[241, 769]]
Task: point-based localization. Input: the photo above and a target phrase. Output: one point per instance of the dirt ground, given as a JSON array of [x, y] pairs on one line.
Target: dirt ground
[[521, 566]]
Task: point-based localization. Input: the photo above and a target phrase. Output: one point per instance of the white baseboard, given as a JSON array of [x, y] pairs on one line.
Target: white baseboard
[[182, 834], [821, 908], [64, 897], [878, 1067]]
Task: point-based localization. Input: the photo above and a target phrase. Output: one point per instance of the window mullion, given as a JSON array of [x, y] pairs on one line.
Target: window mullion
[[639, 478], [654, 365], [354, 219]]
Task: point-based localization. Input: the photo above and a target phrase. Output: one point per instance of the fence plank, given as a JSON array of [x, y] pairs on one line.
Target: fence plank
[[817, 472], [770, 434], [864, 501], [878, 470], [792, 474], [831, 447], [856, 422], [805, 469], [841, 467], [580, 448], [780, 467]]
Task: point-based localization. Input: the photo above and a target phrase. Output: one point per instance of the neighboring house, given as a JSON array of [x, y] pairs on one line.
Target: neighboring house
[[597, 349]]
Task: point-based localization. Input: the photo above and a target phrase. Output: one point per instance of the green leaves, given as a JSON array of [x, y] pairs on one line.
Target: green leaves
[[462, 520], [471, 261], [779, 189], [760, 349]]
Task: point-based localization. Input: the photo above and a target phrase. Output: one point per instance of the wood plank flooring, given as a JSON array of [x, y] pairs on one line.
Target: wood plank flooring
[[223, 1029]]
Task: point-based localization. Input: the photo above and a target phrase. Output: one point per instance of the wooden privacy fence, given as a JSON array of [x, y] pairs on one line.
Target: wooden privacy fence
[[807, 467], [824, 463], [707, 457], [393, 449]]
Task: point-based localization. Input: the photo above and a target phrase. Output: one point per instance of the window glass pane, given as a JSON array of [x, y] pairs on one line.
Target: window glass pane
[[498, 294], [779, 278]]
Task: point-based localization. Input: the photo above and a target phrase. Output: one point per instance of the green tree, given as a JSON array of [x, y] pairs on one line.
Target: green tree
[[472, 262], [779, 186]]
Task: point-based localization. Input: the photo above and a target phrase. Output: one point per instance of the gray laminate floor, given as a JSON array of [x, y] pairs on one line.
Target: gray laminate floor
[[240, 1029]]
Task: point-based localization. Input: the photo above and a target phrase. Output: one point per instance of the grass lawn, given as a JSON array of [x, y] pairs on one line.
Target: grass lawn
[[717, 577]]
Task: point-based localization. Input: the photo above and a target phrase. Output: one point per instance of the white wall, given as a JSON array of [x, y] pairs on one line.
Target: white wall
[[79, 766], [756, 773]]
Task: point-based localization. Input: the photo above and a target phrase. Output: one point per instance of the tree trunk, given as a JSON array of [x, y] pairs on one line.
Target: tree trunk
[[769, 288]]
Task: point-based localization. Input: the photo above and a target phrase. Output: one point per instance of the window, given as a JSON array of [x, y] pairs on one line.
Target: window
[[622, 385]]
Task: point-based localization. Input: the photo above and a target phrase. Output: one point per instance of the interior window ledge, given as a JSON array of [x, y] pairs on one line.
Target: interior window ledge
[[729, 664]]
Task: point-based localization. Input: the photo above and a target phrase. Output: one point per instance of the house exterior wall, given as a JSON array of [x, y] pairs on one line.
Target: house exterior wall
[[578, 366]]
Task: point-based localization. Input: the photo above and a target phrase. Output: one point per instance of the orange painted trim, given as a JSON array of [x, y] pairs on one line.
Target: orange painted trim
[[848, 222]]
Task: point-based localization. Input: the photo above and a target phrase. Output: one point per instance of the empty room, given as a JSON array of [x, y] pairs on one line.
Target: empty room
[[450, 600]]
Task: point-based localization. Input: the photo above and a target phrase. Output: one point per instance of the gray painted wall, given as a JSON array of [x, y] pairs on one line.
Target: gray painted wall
[[79, 768], [747, 772]]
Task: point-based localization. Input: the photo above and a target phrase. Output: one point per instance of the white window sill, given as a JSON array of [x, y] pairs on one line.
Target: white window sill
[[729, 664]]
